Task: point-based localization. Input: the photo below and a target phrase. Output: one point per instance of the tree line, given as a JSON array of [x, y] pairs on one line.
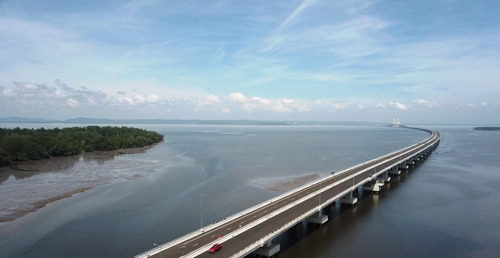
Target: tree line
[[34, 144], [489, 128]]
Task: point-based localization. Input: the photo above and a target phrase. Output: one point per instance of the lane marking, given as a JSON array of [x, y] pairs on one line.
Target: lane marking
[[348, 173]]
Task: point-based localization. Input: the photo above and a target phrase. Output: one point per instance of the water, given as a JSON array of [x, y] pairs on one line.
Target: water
[[447, 207]]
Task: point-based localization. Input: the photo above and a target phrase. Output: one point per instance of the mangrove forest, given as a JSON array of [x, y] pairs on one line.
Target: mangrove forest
[[488, 128], [34, 144]]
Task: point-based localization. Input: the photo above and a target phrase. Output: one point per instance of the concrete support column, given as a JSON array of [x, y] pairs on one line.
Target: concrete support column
[[268, 250], [394, 170], [403, 165], [348, 199], [318, 218], [373, 186], [385, 176], [355, 192]]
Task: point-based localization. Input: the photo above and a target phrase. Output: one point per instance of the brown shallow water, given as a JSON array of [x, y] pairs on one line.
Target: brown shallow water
[[447, 207], [29, 186]]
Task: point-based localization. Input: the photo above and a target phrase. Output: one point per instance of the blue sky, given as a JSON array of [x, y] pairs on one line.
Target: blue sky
[[425, 61]]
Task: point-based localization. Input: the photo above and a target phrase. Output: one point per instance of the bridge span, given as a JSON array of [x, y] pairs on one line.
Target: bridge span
[[252, 230]]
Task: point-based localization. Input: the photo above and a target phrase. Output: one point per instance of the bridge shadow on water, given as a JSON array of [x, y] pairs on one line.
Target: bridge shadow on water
[[342, 218]]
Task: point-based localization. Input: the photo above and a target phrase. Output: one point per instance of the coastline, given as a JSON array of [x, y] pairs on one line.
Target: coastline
[[15, 214], [61, 167]]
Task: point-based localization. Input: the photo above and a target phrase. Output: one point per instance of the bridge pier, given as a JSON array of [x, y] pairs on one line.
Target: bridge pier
[[317, 218], [403, 165], [385, 176], [338, 186], [268, 250], [348, 199], [394, 171], [355, 193], [373, 186]]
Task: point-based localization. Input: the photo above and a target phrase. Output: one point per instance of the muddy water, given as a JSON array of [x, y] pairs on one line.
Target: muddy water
[[26, 187], [125, 217]]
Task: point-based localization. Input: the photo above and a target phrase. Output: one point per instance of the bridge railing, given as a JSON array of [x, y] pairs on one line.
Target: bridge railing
[[272, 235], [257, 206]]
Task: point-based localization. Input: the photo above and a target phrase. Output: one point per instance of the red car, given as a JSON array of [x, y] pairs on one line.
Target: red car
[[215, 248]]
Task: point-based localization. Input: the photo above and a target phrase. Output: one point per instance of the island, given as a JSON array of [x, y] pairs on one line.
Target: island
[[488, 128], [21, 145]]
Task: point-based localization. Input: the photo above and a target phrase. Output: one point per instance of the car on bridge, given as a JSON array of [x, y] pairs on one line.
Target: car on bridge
[[215, 248]]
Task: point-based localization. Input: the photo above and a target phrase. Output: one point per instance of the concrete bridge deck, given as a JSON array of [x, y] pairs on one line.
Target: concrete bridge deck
[[244, 232]]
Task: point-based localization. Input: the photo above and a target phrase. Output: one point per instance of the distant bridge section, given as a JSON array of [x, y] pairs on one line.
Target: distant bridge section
[[252, 230]]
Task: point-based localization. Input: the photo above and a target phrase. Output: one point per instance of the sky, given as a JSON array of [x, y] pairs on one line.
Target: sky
[[423, 61]]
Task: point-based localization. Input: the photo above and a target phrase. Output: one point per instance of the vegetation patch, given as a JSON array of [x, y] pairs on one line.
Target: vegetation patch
[[488, 128], [21, 145]]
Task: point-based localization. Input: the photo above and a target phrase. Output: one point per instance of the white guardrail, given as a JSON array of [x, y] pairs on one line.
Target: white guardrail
[[255, 207]]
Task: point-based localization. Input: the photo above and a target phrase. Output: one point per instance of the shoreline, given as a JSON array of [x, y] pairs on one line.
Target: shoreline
[[60, 166], [40, 204]]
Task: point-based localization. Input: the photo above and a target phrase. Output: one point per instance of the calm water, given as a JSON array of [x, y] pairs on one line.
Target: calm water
[[448, 206]]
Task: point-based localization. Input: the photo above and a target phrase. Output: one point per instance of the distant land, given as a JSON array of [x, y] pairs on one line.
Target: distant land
[[488, 128], [84, 120]]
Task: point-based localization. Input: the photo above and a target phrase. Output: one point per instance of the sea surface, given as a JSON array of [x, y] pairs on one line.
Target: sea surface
[[447, 206]]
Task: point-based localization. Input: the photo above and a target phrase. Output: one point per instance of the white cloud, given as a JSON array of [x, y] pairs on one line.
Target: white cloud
[[284, 105], [288, 101], [29, 86], [473, 105], [250, 107], [317, 102], [8, 93], [72, 102], [425, 103], [126, 99], [59, 94], [261, 100], [212, 98], [236, 96], [152, 98], [398, 105], [379, 105], [289, 105], [207, 100], [340, 105], [139, 99], [280, 107], [304, 5]]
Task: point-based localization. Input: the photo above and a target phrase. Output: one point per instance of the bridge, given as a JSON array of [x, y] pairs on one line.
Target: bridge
[[252, 230]]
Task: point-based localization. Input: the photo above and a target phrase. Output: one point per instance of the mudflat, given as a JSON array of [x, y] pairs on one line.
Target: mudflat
[[28, 186]]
